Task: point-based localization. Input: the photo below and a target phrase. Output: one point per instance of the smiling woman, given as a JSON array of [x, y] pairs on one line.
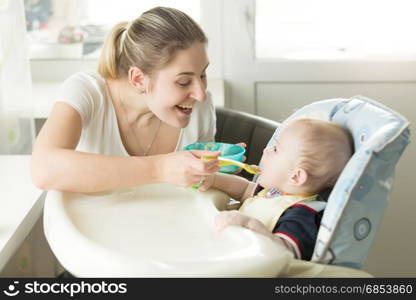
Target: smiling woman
[[127, 124]]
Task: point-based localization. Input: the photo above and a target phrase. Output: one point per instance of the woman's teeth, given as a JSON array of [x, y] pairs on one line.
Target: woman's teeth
[[185, 106], [187, 109]]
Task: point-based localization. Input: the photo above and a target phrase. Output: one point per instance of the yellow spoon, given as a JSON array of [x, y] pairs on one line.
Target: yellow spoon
[[252, 169]]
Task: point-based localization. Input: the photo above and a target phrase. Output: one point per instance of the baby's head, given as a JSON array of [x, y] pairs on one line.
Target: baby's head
[[308, 157]]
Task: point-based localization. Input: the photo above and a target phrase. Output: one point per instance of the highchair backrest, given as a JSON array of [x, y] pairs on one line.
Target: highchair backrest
[[357, 202]]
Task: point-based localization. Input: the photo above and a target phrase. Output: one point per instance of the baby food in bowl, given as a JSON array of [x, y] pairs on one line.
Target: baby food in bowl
[[229, 151]]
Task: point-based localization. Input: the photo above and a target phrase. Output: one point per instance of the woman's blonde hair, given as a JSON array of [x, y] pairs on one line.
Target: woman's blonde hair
[[149, 42]]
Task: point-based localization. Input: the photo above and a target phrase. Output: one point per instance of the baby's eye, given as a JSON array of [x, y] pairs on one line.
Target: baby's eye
[[274, 149]]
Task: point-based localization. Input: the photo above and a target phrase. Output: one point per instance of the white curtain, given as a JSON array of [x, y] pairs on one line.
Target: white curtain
[[16, 117]]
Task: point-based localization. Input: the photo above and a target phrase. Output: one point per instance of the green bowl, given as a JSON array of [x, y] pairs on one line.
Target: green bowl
[[230, 151]]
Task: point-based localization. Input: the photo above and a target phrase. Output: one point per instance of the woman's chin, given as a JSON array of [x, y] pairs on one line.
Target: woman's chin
[[179, 119], [183, 121], [179, 123], [176, 121]]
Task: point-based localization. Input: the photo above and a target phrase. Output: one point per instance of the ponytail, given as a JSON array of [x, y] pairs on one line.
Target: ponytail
[[149, 42], [109, 61]]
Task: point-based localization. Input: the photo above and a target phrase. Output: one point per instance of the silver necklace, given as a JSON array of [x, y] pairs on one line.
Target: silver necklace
[[145, 152]]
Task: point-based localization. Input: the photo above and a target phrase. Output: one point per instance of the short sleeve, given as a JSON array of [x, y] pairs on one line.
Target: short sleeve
[[299, 225], [209, 121], [81, 91]]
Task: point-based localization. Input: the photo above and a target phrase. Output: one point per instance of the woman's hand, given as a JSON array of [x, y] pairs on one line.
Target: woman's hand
[[186, 168], [208, 183], [210, 180]]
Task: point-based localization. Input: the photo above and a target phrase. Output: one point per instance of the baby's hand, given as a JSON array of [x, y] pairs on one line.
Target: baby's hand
[[232, 217]]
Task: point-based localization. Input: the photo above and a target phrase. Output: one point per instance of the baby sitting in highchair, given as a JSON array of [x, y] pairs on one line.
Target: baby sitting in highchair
[[307, 158]]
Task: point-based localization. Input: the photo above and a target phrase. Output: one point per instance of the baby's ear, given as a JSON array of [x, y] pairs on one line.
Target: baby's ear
[[299, 177]]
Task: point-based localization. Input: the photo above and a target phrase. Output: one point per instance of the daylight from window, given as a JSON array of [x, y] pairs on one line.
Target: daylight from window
[[335, 29], [71, 29]]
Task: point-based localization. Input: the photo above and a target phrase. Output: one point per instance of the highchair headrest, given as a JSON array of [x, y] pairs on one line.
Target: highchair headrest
[[357, 202]]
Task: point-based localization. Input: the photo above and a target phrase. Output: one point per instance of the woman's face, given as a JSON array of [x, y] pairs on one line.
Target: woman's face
[[178, 86]]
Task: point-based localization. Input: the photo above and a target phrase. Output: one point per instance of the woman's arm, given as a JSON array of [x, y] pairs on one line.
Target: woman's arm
[[57, 166]]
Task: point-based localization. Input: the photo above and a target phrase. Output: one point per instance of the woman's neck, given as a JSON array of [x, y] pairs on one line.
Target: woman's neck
[[130, 102]]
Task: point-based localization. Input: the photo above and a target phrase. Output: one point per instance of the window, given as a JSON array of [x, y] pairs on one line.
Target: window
[[77, 28], [335, 29]]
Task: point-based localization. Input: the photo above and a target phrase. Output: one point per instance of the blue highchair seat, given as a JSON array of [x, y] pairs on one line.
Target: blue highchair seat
[[357, 202]]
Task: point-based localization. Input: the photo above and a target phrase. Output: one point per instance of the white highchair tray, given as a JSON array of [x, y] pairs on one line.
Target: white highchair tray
[[154, 231]]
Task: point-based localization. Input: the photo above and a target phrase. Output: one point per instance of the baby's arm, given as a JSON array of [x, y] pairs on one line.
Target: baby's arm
[[236, 187], [233, 217], [298, 226]]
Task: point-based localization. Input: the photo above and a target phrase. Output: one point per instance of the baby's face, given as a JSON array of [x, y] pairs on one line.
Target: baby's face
[[278, 162]]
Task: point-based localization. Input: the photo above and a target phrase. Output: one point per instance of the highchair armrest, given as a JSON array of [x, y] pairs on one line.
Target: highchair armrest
[[306, 269]]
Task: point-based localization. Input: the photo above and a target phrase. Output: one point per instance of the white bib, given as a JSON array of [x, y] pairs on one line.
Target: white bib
[[269, 210]]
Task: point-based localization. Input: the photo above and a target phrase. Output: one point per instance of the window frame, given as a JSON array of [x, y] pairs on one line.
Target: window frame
[[210, 21]]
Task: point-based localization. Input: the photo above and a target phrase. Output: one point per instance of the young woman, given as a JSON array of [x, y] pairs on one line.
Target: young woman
[[127, 124]]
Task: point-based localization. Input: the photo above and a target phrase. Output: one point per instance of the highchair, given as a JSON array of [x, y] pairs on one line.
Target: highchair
[[166, 231]]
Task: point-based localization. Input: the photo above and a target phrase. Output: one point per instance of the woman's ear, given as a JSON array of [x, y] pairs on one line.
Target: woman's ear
[[138, 79], [299, 177]]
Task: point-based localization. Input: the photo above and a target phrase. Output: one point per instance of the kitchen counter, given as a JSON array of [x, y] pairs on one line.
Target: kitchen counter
[[21, 204]]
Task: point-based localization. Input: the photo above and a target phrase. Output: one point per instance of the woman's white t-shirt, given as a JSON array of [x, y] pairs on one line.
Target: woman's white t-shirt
[[88, 94]]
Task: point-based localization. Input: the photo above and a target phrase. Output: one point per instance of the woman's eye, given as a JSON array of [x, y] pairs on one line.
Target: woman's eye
[[184, 83], [204, 76]]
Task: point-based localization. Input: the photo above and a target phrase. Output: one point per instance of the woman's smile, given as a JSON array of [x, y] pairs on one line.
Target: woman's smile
[[184, 108]]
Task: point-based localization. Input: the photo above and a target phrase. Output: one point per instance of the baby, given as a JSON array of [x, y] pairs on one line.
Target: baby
[[307, 158]]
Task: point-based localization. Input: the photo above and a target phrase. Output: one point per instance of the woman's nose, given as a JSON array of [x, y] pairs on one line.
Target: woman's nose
[[199, 92]]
